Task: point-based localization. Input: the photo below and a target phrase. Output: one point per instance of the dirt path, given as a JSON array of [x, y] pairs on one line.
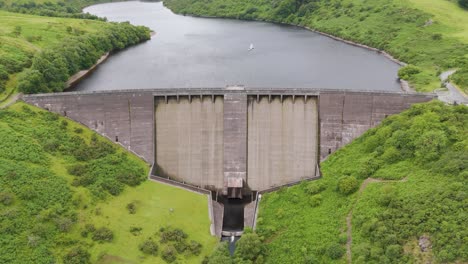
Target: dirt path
[[349, 218], [11, 100]]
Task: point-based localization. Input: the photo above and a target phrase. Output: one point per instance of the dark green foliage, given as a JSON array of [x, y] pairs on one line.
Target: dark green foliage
[[220, 255], [77, 255], [37, 204], [131, 207], [149, 247], [248, 248], [170, 235], [136, 231], [335, 251], [315, 187], [315, 200], [103, 234], [6, 198], [347, 185], [169, 254], [175, 242], [52, 67], [463, 3], [408, 71]]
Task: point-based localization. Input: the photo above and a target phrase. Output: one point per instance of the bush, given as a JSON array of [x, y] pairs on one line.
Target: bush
[[168, 234], [348, 185], [169, 254], [406, 72], [77, 255], [463, 3], [149, 247], [249, 247], [6, 198], [194, 247], [77, 169], [131, 207], [103, 234], [315, 200], [335, 251], [315, 187]]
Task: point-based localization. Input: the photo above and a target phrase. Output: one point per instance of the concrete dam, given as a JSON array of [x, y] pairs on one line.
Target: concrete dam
[[230, 140]]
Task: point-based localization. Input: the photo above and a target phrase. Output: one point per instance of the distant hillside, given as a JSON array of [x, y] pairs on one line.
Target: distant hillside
[[432, 35], [400, 184], [53, 49]]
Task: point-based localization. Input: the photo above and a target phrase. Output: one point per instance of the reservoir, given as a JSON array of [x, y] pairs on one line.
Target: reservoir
[[190, 52]]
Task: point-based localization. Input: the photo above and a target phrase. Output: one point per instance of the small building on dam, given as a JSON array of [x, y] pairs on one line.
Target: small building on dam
[[232, 140]]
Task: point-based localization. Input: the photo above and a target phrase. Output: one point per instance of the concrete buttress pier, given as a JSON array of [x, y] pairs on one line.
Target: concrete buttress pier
[[235, 145], [230, 140]]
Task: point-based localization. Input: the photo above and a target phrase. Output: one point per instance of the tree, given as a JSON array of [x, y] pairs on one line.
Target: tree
[[347, 185], [463, 3], [249, 247]]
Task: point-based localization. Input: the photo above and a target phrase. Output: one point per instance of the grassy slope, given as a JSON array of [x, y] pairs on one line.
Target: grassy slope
[[396, 26], [25, 131], [51, 31], [432, 200]]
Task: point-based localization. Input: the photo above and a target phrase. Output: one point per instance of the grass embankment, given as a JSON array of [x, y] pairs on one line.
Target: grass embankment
[[431, 34], [427, 146], [68, 195], [39, 53]]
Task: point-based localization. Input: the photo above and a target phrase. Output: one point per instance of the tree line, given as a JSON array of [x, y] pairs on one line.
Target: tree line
[[52, 67]]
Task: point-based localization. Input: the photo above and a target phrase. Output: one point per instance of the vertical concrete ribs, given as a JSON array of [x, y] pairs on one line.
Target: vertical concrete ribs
[[230, 138]]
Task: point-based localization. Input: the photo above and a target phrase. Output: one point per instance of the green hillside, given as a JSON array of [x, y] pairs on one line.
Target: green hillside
[[398, 183], [53, 49], [432, 35], [68, 195]]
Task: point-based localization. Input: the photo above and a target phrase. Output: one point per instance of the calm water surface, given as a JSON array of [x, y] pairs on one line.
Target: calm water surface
[[197, 52]]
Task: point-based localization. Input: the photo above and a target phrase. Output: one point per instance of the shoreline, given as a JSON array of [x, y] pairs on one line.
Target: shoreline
[[77, 77], [404, 85], [383, 52]]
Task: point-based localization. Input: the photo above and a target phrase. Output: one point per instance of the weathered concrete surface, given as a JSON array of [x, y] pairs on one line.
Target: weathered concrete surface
[[189, 140], [345, 116], [266, 143], [282, 140], [235, 139], [126, 117]]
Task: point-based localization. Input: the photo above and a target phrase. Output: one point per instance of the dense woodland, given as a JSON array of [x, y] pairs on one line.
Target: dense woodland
[[411, 35]]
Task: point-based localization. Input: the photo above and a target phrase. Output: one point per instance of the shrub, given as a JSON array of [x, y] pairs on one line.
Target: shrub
[[168, 234], [77, 255], [103, 234], [131, 207], [77, 169], [169, 254], [249, 247], [315, 200], [335, 251], [78, 130], [463, 3], [6, 198], [347, 185], [393, 252], [315, 187], [149, 247], [135, 230], [406, 72], [194, 247]]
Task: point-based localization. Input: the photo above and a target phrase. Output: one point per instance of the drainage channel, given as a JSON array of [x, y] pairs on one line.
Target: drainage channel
[[234, 218]]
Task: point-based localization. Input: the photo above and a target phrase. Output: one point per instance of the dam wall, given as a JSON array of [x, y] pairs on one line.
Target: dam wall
[[125, 118], [230, 139], [282, 140], [347, 115], [189, 139]]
